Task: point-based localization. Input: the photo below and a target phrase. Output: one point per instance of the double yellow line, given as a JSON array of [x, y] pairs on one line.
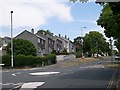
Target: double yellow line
[[111, 80]]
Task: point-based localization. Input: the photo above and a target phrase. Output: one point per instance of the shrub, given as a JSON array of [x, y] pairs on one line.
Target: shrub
[[23, 47], [22, 60], [6, 60], [52, 58], [54, 52], [78, 54]]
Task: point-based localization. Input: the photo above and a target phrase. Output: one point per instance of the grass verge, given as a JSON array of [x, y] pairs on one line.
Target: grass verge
[[76, 62]]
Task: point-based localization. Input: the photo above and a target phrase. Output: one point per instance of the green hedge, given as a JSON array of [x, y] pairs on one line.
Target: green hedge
[[78, 54], [22, 61]]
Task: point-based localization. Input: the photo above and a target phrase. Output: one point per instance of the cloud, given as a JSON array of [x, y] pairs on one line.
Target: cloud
[[98, 28], [92, 0], [86, 30], [33, 13]]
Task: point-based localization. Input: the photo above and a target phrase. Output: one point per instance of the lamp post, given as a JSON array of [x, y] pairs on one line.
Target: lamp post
[[11, 39], [82, 41], [111, 50]]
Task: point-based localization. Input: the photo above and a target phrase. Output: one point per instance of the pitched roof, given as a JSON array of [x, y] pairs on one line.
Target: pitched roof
[[31, 34]]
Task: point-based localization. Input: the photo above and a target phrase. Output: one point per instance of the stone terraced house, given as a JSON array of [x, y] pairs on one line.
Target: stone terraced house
[[38, 41], [46, 43]]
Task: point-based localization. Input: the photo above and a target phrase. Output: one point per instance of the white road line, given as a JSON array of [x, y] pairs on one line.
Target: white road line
[[16, 87], [8, 84], [15, 74], [18, 84], [44, 73], [31, 85], [111, 81]]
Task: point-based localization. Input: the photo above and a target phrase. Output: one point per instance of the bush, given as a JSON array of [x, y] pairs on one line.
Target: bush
[[64, 52], [22, 61], [78, 54], [6, 60], [22, 47], [54, 52]]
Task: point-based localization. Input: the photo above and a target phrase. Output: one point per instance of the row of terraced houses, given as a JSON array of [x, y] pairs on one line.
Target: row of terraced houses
[[45, 43]]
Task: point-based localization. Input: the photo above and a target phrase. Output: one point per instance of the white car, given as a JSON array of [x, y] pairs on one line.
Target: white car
[[116, 57]]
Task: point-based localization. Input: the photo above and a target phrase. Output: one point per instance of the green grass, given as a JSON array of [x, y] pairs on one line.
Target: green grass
[[114, 66]]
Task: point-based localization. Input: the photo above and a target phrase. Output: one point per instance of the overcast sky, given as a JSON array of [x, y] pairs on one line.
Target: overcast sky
[[58, 16]]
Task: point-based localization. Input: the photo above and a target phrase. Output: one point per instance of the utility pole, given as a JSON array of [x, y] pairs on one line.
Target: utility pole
[[11, 39], [111, 50], [82, 42]]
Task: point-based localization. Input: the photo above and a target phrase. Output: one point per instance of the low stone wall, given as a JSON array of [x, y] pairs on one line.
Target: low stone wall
[[64, 57]]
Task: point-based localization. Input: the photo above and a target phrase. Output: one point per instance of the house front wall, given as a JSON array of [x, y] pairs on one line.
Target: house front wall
[[41, 46], [5, 41], [30, 37]]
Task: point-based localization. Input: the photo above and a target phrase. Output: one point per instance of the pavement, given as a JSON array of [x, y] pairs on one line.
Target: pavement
[[91, 74]]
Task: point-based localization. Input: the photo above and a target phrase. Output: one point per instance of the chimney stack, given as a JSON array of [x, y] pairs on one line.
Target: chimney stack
[[32, 30], [65, 36], [43, 33], [59, 35], [52, 34]]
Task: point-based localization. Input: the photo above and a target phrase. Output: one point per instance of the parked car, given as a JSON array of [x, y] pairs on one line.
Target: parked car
[[116, 57]]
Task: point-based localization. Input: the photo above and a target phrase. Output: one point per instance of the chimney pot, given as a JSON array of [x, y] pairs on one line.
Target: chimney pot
[[32, 30], [65, 36], [59, 35]]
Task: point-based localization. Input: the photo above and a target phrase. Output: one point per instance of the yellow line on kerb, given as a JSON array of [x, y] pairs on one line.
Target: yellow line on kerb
[[111, 81]]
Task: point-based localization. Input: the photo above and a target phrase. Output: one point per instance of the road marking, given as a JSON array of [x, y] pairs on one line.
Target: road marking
[[16, 87], [7, 84], [31, 85], [15, 74], [2, 64], [111, 81], [44, 73], [94, 66], [17, 84]]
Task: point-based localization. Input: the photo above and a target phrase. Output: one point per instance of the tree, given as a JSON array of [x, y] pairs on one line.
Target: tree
[[78, 43], [117, 44], [45, 32], [94, 42], [110, 20], [22, 47]]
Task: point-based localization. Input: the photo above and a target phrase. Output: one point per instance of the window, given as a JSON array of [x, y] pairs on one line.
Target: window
[[49, 41], [38, 40], [52, 42], [39, 49], [42, 41]]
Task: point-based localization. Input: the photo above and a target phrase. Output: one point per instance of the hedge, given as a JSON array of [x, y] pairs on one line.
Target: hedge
[[22, 61]]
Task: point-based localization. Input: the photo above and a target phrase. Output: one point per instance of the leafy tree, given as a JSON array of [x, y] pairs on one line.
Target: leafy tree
[[45, 32], [78, 43], [110, 20], [117, 44], [94, 42], [22, 47]]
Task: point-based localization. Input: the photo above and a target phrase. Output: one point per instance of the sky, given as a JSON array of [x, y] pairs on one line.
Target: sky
[[58, 16]]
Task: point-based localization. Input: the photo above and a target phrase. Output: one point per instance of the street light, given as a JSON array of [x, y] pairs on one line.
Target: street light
[[11, 40], [111, 49], [82, 41]]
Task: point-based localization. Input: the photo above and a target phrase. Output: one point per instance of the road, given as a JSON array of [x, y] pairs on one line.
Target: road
[[87, 75]]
